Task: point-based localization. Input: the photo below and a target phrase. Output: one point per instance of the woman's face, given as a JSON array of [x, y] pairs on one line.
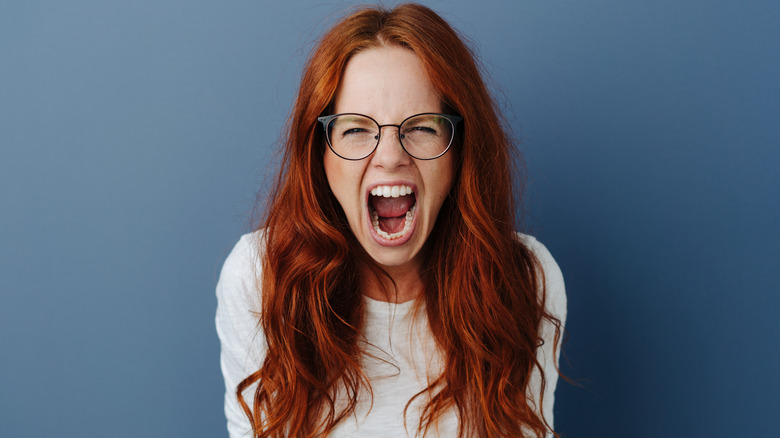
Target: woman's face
[[388, 84]]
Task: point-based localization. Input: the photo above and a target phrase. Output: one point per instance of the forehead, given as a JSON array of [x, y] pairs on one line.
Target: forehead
[[387, 83]]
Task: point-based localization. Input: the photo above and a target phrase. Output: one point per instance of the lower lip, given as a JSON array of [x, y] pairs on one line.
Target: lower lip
[[391, 242]]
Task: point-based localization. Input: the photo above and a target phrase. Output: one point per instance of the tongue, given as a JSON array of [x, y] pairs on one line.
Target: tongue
[[392, 207], [392, 224], [392, 211]]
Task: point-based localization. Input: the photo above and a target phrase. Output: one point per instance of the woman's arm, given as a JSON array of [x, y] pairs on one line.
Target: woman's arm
[[555, 303], [242, 345]]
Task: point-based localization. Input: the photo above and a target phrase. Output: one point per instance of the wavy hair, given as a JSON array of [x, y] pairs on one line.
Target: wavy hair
[[487, 324]]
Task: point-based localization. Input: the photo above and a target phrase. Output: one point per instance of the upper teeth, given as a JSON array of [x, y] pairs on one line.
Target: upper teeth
[[391, 191]]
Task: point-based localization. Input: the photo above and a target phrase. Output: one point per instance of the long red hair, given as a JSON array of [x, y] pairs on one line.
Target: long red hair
[[481, 285]]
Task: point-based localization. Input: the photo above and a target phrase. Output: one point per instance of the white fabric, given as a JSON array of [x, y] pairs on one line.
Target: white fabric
[[405, 351]]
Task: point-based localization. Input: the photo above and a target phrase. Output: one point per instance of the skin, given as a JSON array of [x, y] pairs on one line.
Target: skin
[[389, 84]]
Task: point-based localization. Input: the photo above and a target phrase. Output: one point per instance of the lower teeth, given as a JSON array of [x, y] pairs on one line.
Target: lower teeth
[[393, 236]]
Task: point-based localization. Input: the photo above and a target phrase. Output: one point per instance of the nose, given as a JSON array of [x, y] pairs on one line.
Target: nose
[[389, 153]]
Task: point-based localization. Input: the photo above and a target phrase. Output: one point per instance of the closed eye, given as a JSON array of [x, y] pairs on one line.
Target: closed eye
[[420, 130], [354, 131]]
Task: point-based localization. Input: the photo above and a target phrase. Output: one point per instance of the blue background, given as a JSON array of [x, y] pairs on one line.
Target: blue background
[[134, 137]]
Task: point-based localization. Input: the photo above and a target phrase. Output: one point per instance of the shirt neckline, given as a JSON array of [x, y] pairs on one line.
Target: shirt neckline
[[378, 307]]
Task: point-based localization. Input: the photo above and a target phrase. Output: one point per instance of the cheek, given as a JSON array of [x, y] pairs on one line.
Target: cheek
[[330, 169], [443, 178], [340, 181], [332, 172]]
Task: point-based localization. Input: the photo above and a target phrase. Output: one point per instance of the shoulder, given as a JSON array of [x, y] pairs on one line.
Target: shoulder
[[554, 287], [238, 281], [243, 264], [245, 254]]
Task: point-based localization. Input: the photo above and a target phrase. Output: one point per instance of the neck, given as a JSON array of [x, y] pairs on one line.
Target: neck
[[408, 284]]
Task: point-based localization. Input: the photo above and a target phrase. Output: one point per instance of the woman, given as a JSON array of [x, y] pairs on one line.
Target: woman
[[387, 293]]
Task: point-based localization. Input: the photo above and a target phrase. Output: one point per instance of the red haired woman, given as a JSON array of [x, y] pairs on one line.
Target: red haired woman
[[387, 293]]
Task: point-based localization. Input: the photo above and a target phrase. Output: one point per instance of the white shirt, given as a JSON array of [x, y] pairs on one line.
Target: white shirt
[[401, 352]]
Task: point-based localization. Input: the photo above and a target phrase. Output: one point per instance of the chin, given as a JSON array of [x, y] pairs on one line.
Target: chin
[[394, 258]]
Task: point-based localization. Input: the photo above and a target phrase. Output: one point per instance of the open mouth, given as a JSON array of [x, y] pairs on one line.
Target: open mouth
[[391, 209]]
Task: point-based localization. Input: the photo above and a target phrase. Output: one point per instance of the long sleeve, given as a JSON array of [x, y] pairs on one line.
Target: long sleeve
[[555, 303], [242, 344]]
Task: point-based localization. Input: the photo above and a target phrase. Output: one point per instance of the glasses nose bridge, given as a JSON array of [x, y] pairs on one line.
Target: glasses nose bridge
[[398, 138], [379, 135]]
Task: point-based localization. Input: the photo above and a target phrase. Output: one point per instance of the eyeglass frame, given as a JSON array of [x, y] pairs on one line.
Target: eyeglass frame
[[453, 119]]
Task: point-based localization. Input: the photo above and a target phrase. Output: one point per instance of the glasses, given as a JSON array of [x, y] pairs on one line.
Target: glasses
[[423, 136]]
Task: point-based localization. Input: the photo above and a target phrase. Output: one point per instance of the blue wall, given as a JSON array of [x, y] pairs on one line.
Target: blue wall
[[135, 135]]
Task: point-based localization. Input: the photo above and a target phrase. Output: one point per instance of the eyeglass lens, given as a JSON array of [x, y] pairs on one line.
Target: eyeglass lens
[[424, 136]]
